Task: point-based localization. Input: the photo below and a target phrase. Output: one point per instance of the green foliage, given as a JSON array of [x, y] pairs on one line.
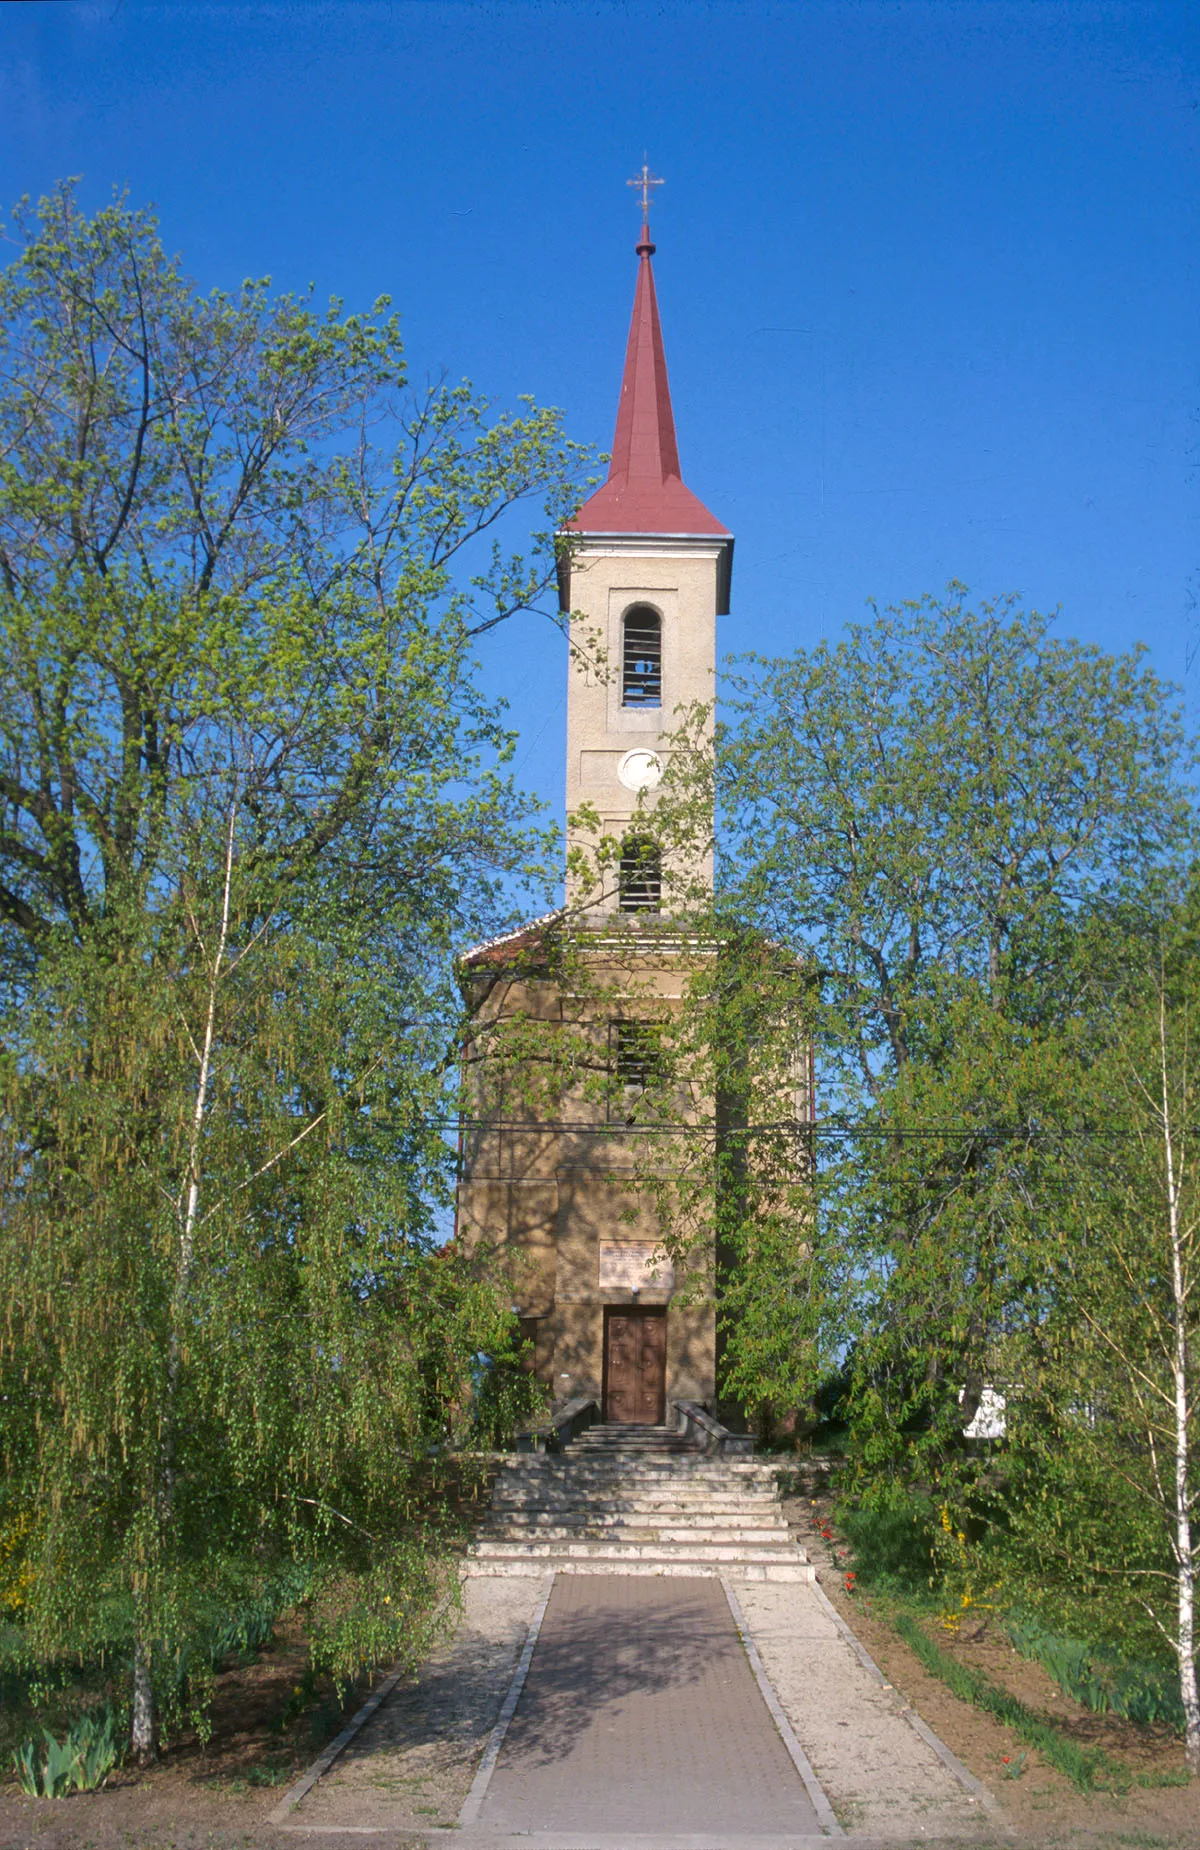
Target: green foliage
[[921, 821], [894, 1544], [1104, 1470], [253, 800], [968, 845], [81, 1762], [1142, 1692], [508, 1396], [924, 804]]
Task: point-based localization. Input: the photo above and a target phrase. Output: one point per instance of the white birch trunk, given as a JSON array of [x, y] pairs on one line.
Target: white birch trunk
[[1185, 1642], [143, 1720]]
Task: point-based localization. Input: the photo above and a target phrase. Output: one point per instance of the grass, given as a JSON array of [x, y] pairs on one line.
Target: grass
[[1088, 1769]]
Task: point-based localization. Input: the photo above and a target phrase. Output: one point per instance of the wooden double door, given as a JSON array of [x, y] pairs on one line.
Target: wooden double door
[[635, 1364]]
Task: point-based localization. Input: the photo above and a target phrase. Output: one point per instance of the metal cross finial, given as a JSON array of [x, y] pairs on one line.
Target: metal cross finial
[[644, 181]]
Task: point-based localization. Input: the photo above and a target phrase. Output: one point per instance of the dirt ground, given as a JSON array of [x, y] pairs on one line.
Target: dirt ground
[[269, 1723]]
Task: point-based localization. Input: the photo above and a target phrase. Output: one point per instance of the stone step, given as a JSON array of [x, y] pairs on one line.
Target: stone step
[[582, 1515], [631, 1495], [665, 1438], [614, 1431], [770, 1518], [596, 1483], [639, 1448], [628, 1500], [690, 1480], [671, 1570], [668, 1458], [690, 1550], [605, 1464], [680, 1464], [642, 1535]]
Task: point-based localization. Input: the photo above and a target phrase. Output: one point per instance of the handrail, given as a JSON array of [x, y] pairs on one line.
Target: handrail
[[572, 1418], [697, 1424]]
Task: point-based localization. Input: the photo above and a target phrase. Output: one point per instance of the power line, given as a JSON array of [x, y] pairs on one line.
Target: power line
[[791, 1127]]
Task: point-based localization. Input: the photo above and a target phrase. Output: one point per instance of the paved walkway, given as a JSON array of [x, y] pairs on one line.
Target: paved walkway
[[640, 1724], [641, 1714]]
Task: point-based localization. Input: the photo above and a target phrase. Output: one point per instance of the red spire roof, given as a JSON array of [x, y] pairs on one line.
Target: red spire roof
[[644, 492]]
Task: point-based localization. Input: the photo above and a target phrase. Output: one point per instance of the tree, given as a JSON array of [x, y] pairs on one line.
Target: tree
[[1105, 1412], [250, 797], [925, 812], [926, 805]]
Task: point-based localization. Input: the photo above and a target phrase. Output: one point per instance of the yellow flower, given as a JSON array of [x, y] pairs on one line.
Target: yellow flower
[[16, 1571]]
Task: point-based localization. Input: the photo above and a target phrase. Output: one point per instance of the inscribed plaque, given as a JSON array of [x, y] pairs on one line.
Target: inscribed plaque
[[635, 1265]]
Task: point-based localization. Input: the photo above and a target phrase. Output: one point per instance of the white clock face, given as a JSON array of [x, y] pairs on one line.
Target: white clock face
[[640, 770]]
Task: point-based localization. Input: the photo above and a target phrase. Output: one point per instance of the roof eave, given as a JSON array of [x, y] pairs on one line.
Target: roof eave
[[722, 541]]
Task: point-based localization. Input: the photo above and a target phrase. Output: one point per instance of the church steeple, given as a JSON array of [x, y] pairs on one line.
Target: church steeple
[[647, 571], [644, 492]]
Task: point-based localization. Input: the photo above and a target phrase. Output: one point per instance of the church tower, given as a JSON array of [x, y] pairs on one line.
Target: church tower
[[556, 1193], [649, 574]]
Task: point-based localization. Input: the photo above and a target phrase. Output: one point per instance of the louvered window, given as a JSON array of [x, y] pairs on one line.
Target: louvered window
[[639, 885], [638, 1053], [641, 664]]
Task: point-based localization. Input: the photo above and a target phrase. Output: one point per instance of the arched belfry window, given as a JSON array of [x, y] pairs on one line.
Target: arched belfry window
[[641, 658], [639, 887]]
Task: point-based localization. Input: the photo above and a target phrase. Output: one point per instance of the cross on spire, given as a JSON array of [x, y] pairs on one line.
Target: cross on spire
[[644, 181]]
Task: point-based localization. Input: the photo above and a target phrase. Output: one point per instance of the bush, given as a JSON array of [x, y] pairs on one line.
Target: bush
[[894, 1544], [16, 1571], [508, 1398]]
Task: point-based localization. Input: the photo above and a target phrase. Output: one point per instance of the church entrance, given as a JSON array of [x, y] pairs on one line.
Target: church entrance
[[635, 1364]]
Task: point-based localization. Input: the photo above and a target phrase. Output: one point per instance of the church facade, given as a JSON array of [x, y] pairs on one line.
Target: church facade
[[646, 573]]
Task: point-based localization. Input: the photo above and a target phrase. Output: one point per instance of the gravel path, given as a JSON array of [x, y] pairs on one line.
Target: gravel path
[[413, 1763], [883, 1779]]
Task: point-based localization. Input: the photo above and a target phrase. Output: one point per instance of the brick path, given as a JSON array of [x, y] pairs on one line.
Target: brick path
[[640, 1714]]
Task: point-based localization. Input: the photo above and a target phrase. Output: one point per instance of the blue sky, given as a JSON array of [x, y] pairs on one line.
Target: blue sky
[[928, 273]]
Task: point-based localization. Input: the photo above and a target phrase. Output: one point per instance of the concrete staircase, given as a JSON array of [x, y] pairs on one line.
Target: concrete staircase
[[636, 1500]]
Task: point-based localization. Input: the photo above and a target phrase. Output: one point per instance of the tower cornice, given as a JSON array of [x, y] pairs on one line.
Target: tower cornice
[[593, 544]]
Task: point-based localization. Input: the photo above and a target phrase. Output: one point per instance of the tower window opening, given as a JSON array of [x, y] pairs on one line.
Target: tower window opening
[[641, 662], [639, 879], [638, 1053]]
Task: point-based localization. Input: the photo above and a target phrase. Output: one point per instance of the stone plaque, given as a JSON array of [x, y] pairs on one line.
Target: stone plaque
[[631, 1265]]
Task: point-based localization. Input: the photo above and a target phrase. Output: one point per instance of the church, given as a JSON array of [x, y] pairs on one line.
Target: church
[[645, 570]]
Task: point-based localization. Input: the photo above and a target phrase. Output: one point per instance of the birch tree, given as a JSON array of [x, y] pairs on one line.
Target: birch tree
[[252, 798], [1105, 1418]]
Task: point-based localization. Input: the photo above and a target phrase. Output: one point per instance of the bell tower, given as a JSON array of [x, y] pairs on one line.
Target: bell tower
[[649, 573], [561, 1196]]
